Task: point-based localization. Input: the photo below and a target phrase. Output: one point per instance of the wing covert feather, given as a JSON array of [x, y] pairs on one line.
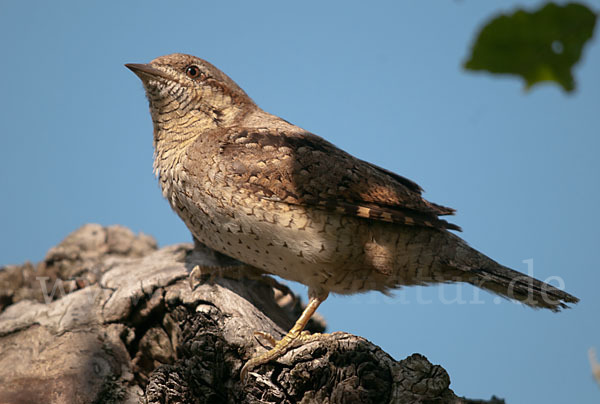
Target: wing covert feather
[[303, 169]]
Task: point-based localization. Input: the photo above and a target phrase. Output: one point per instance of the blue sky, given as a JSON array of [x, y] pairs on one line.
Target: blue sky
[[383, 81]]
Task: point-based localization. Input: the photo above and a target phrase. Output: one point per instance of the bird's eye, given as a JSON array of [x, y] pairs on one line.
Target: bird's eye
[[193, 72]]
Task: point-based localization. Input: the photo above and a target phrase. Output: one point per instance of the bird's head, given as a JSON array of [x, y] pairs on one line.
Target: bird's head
[[188, 92]]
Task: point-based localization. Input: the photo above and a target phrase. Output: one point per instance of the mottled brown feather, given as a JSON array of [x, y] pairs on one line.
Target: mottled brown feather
[[303, 169]]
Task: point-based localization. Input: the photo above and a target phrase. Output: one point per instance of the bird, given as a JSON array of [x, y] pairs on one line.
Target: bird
[[254, 187]]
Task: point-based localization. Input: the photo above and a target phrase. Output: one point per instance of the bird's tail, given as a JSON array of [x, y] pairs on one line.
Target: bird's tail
[[481, 271], [515, 285]]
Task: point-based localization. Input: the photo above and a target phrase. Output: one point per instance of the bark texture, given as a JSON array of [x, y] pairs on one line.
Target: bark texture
[[108, 317]]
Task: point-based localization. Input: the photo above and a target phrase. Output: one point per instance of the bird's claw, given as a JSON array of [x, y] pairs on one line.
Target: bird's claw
[[266, 336], [195, 275], [279, 348]]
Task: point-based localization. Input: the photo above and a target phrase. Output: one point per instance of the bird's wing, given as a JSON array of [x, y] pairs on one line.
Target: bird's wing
[[300, 168]]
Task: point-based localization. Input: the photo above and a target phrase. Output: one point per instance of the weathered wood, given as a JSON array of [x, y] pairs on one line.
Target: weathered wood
[[109, 318]]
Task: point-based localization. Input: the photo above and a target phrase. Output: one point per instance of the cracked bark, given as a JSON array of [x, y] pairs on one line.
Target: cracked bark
[[109, 318]]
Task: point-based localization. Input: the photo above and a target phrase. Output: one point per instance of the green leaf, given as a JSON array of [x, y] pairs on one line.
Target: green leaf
[[541, 45]]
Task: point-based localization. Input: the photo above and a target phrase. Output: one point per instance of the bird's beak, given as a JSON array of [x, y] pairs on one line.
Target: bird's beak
[[147, 71]]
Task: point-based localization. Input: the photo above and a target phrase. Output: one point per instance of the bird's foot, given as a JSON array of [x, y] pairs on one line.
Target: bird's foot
[[194, 277], [205, 274], [200, 274], [208, 274], [278, 348], [272, 341]]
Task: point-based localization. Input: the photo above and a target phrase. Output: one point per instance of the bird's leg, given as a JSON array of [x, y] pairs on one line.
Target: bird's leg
[[297, 333]]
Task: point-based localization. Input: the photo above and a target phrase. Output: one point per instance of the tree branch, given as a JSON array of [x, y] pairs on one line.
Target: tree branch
[[108, 317]]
